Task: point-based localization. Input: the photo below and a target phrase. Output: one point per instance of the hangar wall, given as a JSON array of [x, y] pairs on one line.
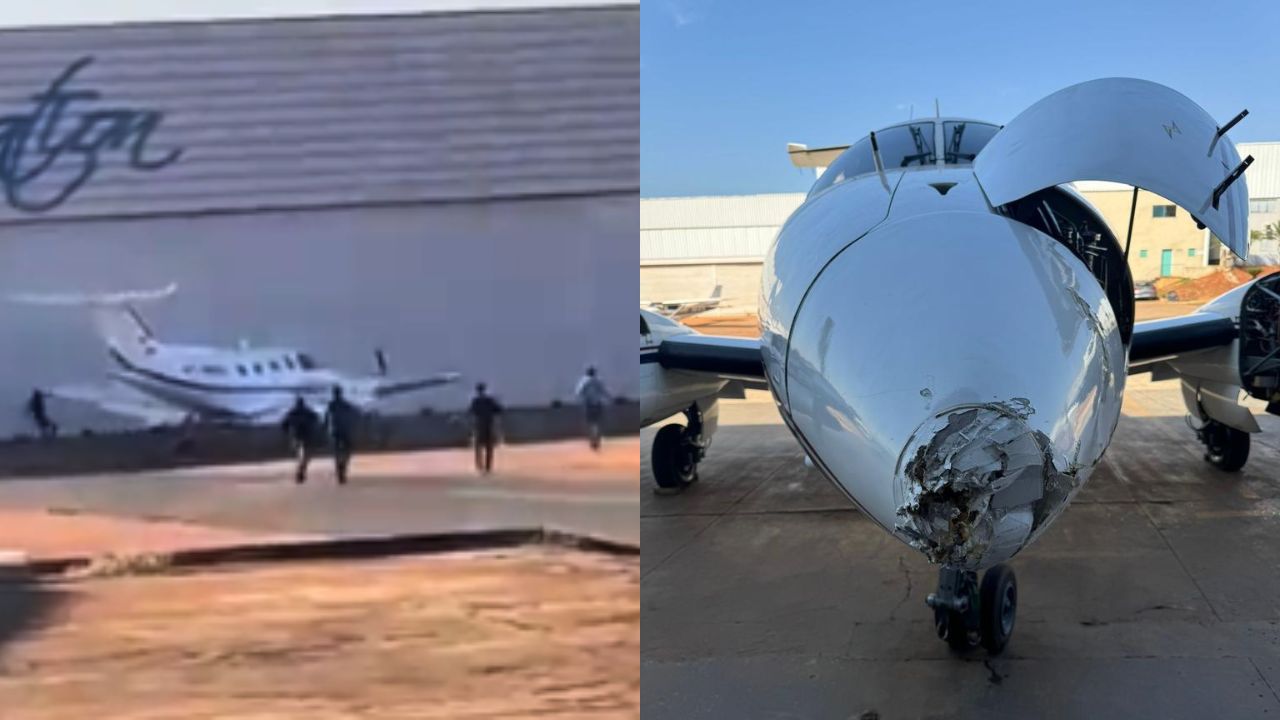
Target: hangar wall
[[458, 189]]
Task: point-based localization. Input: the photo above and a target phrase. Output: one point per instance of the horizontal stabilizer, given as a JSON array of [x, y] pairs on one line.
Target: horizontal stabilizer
[[94, 299], [397, 387]]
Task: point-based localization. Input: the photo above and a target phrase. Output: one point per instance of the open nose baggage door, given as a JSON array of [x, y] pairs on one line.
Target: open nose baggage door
[[1129, 131]]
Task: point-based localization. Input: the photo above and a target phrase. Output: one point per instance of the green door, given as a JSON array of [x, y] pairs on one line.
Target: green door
[[1166, 263]]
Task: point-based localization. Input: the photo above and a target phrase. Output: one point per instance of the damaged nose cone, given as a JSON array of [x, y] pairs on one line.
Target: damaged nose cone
[[961, 404], [973, 479]]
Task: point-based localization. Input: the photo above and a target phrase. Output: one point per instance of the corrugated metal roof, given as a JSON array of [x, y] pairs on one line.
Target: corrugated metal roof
[[58, 13], [1263, 175], [712, 227], [718, 212], [305, 113]]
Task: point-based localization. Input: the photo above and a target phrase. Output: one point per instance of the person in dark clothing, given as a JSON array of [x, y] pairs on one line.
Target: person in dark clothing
[[301, 424], [340, 419], [40, 415], [485, 411]]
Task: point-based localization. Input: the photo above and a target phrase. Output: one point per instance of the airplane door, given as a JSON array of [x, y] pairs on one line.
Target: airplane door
[[1123, 130]]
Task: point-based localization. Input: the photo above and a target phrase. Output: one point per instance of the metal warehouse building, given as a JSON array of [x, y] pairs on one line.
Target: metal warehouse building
[[459, 189], [688, 245]]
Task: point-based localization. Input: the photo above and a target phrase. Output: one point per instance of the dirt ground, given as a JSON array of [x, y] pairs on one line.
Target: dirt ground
[[536, 632]]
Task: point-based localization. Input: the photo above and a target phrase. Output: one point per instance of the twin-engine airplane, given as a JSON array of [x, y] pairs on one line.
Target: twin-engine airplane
[[963, 400], [161, 383]]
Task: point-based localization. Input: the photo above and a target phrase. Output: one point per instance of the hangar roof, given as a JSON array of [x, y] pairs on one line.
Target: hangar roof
[[77, 12]]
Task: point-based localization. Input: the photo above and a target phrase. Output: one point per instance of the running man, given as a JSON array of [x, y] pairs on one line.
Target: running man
[[593, 395], [485, 412], [301, 424], [40, 415], [340, 419]]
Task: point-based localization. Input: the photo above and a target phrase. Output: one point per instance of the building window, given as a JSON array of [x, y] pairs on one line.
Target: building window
[[1164, 210], [1142, 253], [1191, 252]]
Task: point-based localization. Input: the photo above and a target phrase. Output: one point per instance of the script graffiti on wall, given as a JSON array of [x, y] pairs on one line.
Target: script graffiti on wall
[[50, 152]]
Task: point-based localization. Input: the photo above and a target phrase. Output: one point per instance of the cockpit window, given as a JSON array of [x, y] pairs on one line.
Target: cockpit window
[[965, 140], [901, 146], [306, 362]]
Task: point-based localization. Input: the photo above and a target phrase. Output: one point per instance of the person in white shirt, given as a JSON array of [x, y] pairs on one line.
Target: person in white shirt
[[593, 396]]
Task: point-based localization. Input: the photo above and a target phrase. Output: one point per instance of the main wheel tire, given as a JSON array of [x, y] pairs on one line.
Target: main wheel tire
[[673, 464], [999, 597], [1227, 448]]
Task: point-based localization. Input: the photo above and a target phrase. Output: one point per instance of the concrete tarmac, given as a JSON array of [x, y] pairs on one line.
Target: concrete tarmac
[[561, 486], [765, 594]]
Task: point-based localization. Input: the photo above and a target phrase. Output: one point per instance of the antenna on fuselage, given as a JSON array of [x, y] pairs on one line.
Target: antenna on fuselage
[[875, 156], [937, 109]]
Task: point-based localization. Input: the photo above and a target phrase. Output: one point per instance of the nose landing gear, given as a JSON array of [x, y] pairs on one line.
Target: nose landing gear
[[967, 614]]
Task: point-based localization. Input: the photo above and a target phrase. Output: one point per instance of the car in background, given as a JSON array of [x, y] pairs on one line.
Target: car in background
[[1145, 291]]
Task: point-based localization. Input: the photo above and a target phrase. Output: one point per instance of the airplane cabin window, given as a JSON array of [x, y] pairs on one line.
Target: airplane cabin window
[[257, 368], [965, 140], [901, 146], [275, 366], [242, 370], [852, 163], [288, 362]]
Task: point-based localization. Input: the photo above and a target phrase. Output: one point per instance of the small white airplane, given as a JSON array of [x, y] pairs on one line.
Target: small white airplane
[[161, 383], [685, 308], [963, 405]]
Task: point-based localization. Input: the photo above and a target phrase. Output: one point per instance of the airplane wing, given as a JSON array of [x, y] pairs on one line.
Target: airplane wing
[[388, 388], [1156, 341], [731, 358], [121, 400]]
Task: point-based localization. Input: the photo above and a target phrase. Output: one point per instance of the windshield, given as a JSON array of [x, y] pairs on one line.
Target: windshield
[[901, 146], [964, 140]]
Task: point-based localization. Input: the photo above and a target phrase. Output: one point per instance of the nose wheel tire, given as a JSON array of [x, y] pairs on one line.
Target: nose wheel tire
[[967, 614], [999, 610], [674, 461]]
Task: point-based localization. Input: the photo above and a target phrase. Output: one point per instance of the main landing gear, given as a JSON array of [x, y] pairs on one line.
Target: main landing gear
[[966, 614], [1225, 447], [677, 450]]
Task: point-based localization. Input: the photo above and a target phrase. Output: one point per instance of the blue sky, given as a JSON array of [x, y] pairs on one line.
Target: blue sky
[[725, 84]]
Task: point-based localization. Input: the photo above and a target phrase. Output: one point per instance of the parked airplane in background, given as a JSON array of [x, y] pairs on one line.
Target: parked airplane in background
[[963, 408], [161, 383], [685, 308]]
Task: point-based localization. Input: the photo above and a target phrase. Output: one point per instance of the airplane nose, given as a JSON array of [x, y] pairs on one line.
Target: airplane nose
[[958, 375]]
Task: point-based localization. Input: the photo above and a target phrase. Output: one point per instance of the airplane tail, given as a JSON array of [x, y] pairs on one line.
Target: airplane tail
[[715, 294], [120, 326]]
